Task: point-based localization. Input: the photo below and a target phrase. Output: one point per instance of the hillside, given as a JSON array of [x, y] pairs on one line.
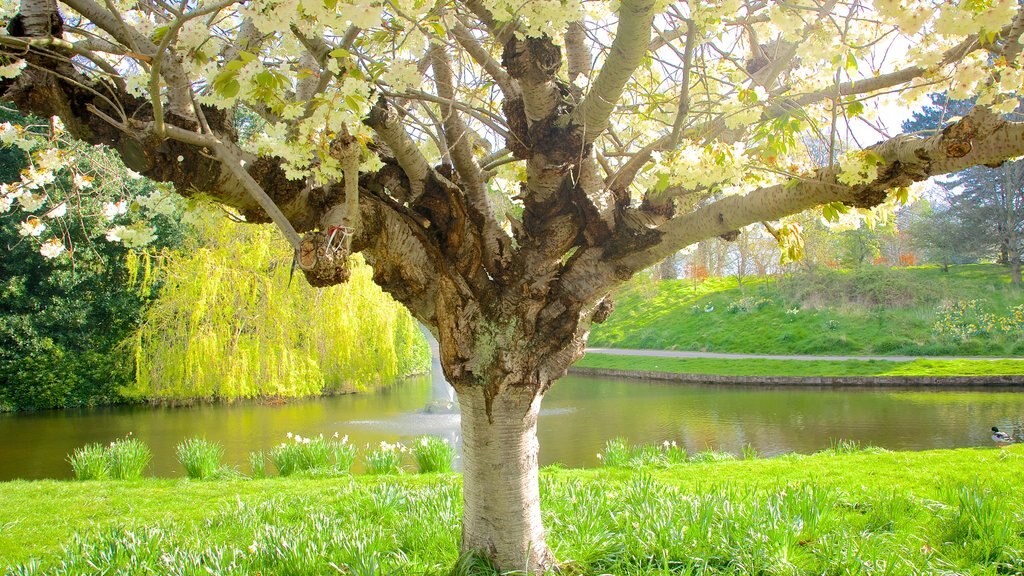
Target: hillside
[[972, 310]]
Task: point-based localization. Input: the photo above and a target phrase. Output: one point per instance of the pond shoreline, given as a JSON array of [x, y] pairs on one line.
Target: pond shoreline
[[987, 381]]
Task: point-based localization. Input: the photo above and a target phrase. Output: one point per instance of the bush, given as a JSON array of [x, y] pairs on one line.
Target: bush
[[386, 459], [433, 454], [200, 457], [89, 462], [127, 458]]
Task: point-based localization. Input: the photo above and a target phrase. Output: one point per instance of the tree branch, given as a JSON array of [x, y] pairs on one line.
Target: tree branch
[[385, 122], [577, 55], [496, 241], [464, 36], [980, 138], [632, 36]]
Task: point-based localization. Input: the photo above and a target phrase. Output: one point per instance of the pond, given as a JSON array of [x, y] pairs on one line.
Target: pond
[[578, 416]]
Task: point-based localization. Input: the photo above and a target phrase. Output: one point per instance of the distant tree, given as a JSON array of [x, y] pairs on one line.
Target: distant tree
[[63, 320], [938, 234], [985, 202]]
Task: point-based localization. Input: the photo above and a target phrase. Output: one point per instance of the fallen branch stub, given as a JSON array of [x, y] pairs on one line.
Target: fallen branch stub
[[324, 257]]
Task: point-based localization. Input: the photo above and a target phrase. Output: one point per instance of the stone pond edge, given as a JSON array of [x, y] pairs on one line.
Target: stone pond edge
[[1013, 380]]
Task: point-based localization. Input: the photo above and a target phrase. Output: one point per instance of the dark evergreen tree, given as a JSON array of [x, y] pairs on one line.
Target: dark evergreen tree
[[63, 320], [982, 212]]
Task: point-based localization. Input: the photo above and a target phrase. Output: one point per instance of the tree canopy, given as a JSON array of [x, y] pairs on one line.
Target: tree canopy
[[503, 165]]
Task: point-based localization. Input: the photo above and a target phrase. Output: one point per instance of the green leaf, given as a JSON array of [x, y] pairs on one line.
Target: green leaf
[[229, 88], [854, 108], [662, 184], [339, 53], [246, 57], [159, 33]]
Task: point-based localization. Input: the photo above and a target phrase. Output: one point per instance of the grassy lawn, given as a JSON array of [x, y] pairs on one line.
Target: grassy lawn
[[740, 367], [872, 311], [843, 511]]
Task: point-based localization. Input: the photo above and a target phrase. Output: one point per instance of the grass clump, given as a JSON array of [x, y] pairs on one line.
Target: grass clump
[[619, 454], [344, 453], [89, 462], [433, 454], [301, 454], [200, 457], [123, 459], [258, 464], [127, 458], [384, 459]]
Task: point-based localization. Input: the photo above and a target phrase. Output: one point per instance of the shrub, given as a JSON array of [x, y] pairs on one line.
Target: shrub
[[127, 458], [385, 459], [301, 454], [89, 462], [433, 454], [200, 457]]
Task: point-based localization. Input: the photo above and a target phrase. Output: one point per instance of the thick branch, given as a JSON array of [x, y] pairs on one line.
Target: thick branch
[[577, 55], [458, 137], [385, 122], [980, 138], [632, 37]]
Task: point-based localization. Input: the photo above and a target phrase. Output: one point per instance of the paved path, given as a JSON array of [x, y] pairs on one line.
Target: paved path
[[680, 354]]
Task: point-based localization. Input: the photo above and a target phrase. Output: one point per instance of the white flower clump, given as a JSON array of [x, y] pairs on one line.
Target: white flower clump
[[31, 227], [135, 236], [51, 248], [112, 210]]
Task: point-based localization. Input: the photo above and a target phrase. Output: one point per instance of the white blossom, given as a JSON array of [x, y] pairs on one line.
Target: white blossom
[[51, 248], [83, 182], [58, 211], [32, 227], [112, 210], [31, 202]]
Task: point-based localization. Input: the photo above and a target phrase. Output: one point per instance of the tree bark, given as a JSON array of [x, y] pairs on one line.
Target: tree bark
[[501, 514]]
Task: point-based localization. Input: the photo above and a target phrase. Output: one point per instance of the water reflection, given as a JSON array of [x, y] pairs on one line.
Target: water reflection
[[578, 416]]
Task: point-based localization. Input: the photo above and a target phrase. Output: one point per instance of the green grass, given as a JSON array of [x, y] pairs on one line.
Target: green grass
[[871, 311], [805, 368], [844, 511]]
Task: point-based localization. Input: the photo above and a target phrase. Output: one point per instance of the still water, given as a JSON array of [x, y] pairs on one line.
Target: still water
[[578, 416]]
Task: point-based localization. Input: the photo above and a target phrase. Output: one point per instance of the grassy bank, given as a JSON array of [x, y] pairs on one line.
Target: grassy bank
[[838, 512], [803, 368], [871, 311]]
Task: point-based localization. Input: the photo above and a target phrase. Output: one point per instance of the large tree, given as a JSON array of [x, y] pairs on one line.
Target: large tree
[[503, 165]]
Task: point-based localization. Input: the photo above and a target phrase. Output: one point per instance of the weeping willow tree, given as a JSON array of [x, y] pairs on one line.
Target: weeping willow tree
[[230, 323]]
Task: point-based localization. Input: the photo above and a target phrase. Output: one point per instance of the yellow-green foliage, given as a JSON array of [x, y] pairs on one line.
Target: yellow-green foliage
[[227, 325]]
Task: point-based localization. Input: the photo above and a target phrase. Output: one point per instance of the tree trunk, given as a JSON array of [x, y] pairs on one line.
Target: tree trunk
[[1014, 261], [501, 495]]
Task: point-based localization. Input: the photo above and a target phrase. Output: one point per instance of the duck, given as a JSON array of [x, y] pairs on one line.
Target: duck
[[1000, 437]]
